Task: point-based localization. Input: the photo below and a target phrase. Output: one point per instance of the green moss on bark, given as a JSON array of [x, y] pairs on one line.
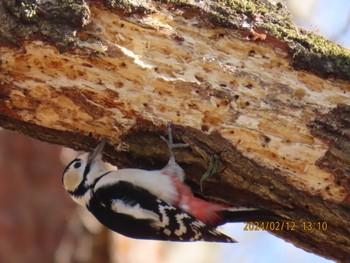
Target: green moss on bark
[[55, 21], [58, 21], [307, 50]]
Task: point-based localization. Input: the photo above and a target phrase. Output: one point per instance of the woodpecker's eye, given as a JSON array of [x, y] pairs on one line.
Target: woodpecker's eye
[[77, 165]]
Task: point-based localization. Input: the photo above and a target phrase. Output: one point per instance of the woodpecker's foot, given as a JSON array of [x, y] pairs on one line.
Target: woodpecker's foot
[[171, 144], [212, 169]]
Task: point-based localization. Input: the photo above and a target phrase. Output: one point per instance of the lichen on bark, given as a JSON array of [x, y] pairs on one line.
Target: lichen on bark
[[55, 21]]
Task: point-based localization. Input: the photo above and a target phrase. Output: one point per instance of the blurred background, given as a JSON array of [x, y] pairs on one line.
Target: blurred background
[[39, 222], [330, 19]]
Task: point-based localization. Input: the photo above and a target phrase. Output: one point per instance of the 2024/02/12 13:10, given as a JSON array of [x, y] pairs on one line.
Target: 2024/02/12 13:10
[[284, 225]]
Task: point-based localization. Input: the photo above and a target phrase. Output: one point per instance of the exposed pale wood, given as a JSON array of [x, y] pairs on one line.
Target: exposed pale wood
[[237, 98]]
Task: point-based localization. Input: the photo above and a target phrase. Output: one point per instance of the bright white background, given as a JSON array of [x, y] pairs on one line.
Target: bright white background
[[328, 18]]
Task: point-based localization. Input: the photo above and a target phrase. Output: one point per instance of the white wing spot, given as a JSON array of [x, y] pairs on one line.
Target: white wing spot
[[182, 228], [198, 224], [165, 218], [167, 232], [135, 211]]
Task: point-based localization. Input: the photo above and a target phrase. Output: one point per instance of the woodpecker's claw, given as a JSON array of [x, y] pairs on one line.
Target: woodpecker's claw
[[171, 144], [212, 169]]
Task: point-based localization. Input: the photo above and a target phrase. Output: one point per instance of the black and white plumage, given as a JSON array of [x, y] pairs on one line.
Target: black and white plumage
[[134, 212], [129, 209], [148, 204]]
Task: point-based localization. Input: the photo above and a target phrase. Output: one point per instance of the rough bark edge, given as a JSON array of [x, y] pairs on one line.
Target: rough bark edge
[[307, 50], [259, 20], [55, 22], [334, 128]]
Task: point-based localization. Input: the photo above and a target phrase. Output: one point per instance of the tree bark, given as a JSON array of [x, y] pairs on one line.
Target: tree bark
[[237, 78]]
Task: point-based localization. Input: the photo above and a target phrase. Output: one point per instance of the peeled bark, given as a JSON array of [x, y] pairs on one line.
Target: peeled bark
[[231, 83]]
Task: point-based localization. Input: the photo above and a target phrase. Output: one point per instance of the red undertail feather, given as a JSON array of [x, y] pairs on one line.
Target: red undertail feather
[[207, 212]]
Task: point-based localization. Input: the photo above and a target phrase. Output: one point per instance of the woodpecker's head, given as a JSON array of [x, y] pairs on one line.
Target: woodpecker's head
[[83, 170]]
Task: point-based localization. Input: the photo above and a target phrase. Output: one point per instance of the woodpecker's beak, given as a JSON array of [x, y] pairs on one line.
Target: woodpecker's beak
[[98, 150]]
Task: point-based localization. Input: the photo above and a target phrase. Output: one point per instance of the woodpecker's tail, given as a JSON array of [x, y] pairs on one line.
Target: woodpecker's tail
[[244, 214]]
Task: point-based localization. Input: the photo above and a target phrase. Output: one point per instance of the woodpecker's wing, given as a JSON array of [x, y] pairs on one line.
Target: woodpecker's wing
[[134, 212]]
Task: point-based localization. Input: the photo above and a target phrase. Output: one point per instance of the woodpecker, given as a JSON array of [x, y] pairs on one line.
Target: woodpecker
[[145, 204]]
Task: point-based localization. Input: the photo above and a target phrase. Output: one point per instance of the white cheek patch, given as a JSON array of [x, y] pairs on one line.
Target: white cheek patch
[[71, 180], [135, 211]]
